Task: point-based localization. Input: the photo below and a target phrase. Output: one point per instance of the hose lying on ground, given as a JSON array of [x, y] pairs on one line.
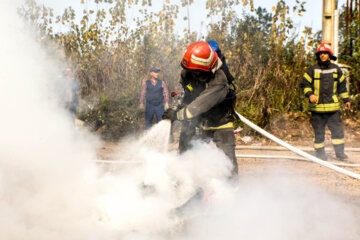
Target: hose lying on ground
[[292, 158], [112, 161], [295, 150], [118, 161]]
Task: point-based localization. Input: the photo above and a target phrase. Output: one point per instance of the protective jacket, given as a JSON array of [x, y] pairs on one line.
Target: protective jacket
[[327, 82], [208, 103], [207, 100]]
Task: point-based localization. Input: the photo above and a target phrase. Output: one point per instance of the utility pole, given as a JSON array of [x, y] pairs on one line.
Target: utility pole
[[188, 18], [330, 31], [328, 22]]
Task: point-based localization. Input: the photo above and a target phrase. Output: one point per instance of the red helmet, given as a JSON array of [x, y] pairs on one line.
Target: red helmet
[[325, 47], [199, 55]]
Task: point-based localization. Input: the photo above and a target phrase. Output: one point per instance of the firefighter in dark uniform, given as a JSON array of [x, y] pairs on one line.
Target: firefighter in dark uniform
[[324, 84], [208, 101]]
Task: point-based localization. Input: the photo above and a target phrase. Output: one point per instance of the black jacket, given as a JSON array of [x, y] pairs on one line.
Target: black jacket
[[206, 99], [327, 82]]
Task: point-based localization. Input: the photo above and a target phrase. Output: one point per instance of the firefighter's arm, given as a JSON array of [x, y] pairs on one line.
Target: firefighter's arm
[[306, 83], [214, 94], [342, 89]]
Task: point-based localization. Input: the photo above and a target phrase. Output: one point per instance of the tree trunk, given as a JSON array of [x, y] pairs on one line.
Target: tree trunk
[[357, 16], [347, 50], [351, 31]]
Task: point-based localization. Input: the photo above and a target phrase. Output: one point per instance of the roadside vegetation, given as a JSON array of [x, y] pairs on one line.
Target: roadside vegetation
[[265, 52]]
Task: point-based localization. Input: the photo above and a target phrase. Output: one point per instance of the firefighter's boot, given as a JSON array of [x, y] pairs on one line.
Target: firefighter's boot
[[339, 152], [320, 153]]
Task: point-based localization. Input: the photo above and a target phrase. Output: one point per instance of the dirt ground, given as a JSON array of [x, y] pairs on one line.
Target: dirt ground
[[342, 186], [334, 182], [297, 133]]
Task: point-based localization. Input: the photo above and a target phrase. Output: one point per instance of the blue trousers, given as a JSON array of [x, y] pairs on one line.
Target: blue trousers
[[152, 110]]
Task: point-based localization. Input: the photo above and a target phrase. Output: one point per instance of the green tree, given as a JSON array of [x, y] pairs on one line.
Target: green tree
[[112, 59], [350, 48]]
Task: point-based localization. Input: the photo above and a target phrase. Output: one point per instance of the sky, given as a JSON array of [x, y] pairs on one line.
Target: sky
[[311, 18]]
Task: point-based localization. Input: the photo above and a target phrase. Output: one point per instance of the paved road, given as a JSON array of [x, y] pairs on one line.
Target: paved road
[[330, 180]]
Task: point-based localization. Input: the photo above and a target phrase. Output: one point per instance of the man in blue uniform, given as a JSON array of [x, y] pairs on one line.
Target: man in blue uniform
[[155, 93]]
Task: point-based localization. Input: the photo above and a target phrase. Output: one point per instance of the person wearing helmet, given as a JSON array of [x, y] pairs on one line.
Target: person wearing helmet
[[323, 84], [206, 103], [214, 45]]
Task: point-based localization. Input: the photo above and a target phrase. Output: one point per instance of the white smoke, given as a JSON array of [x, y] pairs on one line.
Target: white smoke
[[271, 207], [46, 168], [50, 187], [146, 194]]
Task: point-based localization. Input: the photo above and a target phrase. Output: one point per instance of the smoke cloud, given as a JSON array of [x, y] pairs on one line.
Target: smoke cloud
[[51, 187], [271, 207]]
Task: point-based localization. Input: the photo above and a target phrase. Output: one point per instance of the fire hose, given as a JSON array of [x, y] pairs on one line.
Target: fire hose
[[282, 143], [292, 158], [296, 150]]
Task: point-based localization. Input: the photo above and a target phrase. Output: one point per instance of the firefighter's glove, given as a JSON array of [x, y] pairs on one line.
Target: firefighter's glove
[[170, 114]]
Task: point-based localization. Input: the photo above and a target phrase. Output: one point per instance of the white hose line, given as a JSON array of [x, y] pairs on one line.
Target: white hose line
[[237, 155], [270, 157], [118, 162], [279, 148], [297, 151], [292, 158]]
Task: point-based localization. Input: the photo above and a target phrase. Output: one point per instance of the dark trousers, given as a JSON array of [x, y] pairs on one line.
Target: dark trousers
[[71, 107], [150, 111], [223, 138], [319, 121]]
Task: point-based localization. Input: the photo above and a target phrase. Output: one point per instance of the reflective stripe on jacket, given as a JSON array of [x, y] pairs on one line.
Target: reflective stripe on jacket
[[205, 99], [328, 84]]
